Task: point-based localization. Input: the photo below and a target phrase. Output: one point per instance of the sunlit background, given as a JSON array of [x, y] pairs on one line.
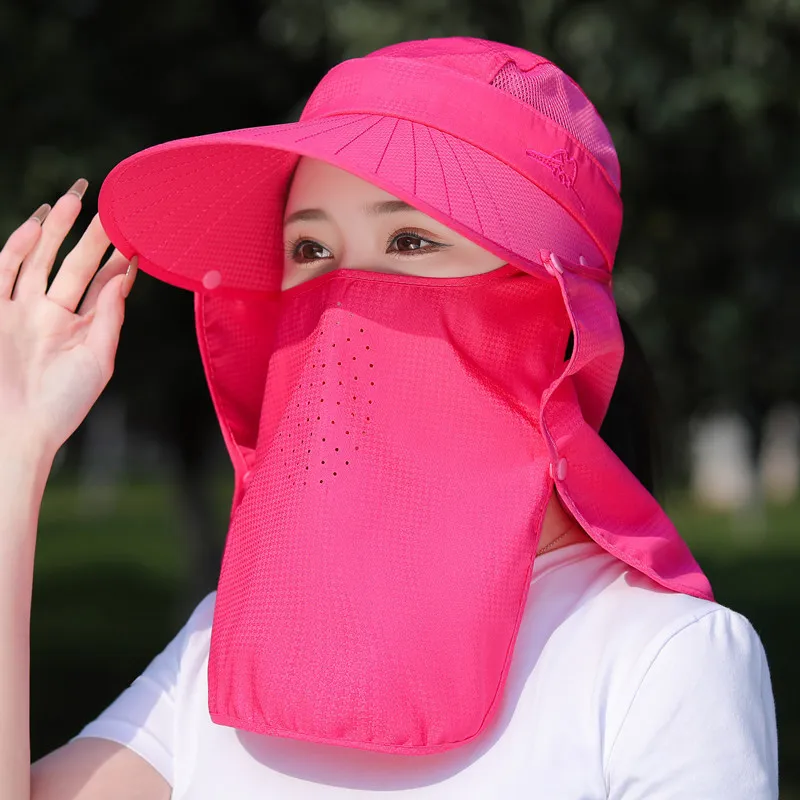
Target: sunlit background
[[702, 101]]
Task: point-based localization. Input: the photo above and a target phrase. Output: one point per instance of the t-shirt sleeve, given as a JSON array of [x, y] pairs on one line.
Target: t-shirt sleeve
[[143, 716], [702, 721]]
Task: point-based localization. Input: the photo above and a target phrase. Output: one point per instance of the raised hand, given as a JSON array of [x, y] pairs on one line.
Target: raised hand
[[56, 352]]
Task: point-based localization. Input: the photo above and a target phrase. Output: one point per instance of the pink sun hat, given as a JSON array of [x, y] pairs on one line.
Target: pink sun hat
[[494, 142], [498, 140]]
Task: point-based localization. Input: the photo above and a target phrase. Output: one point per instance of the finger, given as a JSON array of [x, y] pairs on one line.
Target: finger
[[32, 280], [103, 335], [19, 244], [117, 264], [79, 266]]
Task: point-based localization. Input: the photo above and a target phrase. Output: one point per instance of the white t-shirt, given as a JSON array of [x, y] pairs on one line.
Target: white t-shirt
[[617, 689]]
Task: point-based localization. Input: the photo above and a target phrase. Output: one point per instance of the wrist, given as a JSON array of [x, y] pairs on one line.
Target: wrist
[[24, 470], [26, 453]]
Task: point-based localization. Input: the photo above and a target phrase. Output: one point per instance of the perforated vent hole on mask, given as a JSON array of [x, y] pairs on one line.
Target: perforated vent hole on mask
[[547, 89], [328, 443]]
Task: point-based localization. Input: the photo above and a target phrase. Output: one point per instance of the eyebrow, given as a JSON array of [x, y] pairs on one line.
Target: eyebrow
[[373, 209]]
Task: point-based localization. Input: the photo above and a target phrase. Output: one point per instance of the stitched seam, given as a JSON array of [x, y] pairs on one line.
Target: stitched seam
[[488, 190], [358, 118], [164, 196], [653, 660], [361, 133], [441, 167], [236, 721], [243, 196], [636, 562], [386, 149], [466, 183], [526, 588], [206, 357], [414, 157]]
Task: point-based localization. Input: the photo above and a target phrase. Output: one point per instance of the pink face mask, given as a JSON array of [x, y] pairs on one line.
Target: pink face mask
[[379, 561]]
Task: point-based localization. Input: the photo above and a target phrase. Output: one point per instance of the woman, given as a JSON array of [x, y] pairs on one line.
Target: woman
[[432, 552]]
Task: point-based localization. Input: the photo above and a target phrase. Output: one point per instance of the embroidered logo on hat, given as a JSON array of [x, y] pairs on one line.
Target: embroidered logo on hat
[[563, 166]]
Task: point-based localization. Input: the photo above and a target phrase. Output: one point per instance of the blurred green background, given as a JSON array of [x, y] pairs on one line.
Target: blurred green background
[[702, 100]]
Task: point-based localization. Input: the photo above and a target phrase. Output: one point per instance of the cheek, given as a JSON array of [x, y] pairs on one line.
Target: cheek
[[290, 278], [475, 260], [294, 275]]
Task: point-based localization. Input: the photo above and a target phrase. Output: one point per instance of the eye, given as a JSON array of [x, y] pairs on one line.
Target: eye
[[307, 250], [409, 242]]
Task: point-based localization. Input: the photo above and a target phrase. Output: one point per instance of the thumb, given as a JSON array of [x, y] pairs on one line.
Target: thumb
[[103, 335]]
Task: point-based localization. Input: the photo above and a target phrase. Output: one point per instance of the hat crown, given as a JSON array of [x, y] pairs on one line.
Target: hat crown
[[530, 78]]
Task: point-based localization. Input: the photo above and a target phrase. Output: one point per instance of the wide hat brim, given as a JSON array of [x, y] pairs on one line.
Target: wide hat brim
[[206, 213]]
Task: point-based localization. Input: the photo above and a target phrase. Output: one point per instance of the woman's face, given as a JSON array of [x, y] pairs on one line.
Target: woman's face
[[334, 219]]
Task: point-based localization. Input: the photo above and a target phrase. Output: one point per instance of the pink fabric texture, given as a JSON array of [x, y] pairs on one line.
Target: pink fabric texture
[[379, 560], [501, 146]]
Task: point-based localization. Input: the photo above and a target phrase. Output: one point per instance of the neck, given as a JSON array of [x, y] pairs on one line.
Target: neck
[[559, 529]]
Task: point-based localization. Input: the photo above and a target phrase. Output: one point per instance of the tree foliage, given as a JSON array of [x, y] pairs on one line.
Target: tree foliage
[[701, 98]]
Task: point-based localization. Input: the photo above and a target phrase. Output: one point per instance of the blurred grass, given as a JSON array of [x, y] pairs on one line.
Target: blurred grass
[[110, 592]]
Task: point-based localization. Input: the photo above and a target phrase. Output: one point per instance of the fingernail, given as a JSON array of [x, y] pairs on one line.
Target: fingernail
[[79, 188], [130, 276], [40, 215]]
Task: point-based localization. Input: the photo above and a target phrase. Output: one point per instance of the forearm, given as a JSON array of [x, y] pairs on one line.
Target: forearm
[[23, 475]]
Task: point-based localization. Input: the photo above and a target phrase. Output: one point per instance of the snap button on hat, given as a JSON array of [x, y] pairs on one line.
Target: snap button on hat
[[212, 279], [558, 470], [553, 265]]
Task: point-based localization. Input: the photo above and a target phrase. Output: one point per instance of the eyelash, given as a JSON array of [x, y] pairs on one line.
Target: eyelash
[[430, 246]]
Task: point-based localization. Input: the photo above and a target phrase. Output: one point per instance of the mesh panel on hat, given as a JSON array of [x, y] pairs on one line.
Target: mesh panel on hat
[[554, 95]]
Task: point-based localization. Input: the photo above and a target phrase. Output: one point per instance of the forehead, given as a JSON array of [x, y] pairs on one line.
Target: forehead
[[318, 182]]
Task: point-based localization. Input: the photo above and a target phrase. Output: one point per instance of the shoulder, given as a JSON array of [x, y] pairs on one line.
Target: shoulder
[[622, 630], [705, 657], [597, 591], [700, 692], [666, 674]]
